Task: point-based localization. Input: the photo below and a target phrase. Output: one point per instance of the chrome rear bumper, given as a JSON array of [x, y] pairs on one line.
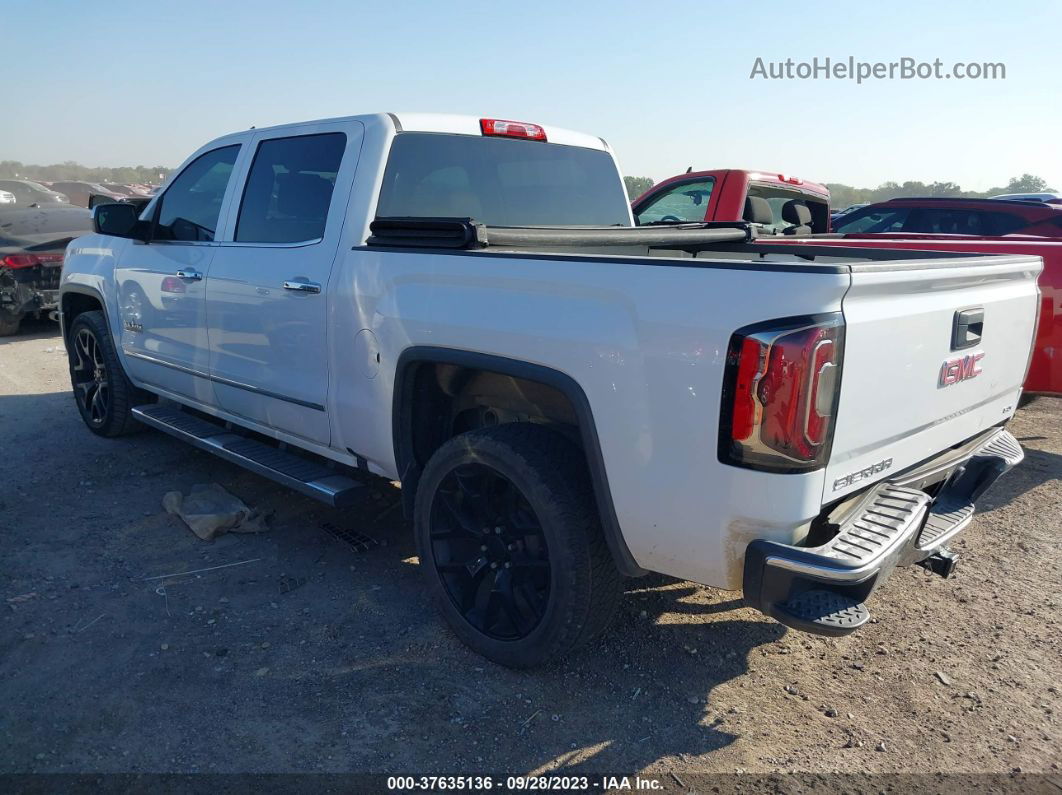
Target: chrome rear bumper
[[896, 523]]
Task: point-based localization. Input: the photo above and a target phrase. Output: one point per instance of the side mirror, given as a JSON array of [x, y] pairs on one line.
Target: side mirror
[[119, 220]]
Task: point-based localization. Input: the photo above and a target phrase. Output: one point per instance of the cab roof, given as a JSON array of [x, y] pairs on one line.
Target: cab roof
[[446, 123], [752, 175]]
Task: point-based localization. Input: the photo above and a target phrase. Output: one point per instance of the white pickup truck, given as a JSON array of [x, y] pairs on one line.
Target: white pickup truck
[[464, 305]]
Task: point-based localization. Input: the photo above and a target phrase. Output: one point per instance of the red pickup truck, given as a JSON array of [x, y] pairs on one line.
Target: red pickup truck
[[777, 203]]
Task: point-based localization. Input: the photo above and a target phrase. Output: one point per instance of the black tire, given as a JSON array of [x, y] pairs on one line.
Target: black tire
[[9, 323], [551, 584], [1025, 400], [103, 392]]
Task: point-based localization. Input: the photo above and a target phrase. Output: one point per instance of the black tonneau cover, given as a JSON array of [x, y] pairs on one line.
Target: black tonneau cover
[[467, 233], [728, 237]]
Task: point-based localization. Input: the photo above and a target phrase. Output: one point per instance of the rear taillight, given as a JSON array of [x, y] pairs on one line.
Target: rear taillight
[[780, 394], [512, 129], [29, 260], [20, 261]]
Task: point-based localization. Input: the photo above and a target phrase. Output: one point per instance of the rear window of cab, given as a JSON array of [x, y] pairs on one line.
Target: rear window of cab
[[501, 182]]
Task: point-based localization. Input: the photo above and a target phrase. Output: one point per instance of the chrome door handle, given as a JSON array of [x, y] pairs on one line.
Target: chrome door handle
[[302, 286], [189, 274]]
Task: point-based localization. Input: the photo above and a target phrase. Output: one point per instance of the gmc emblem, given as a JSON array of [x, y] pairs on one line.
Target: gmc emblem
[[962, 369]]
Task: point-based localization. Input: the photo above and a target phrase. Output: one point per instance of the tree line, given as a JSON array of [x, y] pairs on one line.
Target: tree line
[[69, 170], [842, 195]]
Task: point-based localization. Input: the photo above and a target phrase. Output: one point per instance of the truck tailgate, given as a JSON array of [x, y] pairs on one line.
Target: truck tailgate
[[919, 374]]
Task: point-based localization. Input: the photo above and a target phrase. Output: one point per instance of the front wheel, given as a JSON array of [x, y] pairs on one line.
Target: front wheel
[[510, 542], [102, 390]]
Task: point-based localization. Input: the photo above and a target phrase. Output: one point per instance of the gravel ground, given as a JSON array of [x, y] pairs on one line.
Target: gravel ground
[[312, 656]]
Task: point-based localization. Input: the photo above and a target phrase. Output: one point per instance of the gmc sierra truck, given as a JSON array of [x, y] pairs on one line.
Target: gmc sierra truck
[[465, 306]]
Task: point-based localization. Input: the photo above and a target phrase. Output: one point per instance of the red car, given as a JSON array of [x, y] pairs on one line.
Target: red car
[[947, 216], [777, 203]]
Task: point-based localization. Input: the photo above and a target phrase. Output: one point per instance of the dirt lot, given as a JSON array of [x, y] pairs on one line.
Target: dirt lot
[[312, 656]]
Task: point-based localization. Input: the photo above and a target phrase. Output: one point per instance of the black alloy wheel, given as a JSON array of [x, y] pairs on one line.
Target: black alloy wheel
[[490, 550], [104, 394], [88, 371], [511, 545]]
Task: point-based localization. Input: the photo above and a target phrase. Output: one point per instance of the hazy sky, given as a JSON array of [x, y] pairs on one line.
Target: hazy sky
[[667, 84]]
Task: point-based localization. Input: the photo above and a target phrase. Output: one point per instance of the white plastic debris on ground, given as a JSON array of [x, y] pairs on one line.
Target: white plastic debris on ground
[[211, 511]]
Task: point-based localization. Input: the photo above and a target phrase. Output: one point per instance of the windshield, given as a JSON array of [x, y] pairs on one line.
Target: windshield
[[502, 182]]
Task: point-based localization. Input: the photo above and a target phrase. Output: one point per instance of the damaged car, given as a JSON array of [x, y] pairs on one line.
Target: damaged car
[[32, 245]]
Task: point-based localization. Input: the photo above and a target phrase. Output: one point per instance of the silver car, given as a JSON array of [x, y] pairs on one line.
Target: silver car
[[27, 192]]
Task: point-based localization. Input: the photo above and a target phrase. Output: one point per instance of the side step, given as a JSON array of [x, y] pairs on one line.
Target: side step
[[309, 477]]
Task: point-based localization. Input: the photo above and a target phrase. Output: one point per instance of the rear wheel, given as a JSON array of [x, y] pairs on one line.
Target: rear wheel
[[102, 390], [510, 542]]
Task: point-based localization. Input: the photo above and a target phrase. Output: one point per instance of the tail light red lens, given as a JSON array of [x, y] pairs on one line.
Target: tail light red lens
[[512, 129], [20, 261], [29, 260], [780, 394]]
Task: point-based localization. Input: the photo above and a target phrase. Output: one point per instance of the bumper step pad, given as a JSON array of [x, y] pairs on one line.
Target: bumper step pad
[[823, 613], [954, 510], [948, 517], [881, 524]]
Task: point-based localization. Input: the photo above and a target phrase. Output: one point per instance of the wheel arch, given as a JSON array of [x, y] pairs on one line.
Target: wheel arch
[[404, 427], [75, 300]]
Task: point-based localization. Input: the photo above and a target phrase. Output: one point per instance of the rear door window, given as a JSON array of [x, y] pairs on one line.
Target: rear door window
[[686, 201], [289, 189], [1004, 223], [946, 222], [191, 205]]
